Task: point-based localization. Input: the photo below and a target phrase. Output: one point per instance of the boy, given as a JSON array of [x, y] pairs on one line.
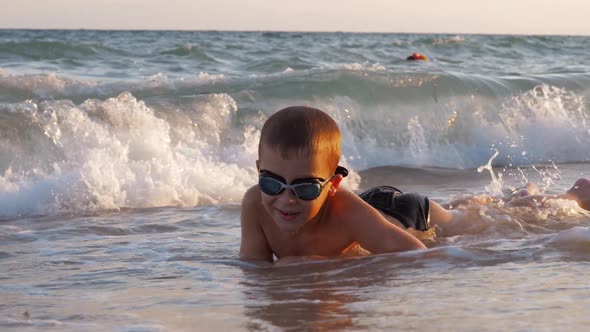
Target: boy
[[298, 209]]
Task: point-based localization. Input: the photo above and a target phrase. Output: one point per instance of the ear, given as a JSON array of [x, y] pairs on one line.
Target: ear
[[258, 165], [335, 183]]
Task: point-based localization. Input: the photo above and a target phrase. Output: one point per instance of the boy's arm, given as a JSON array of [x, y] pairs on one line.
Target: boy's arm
[[254, 246], [370, 229]]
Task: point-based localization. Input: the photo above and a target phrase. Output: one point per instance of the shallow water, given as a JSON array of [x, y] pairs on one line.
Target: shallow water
[[177, 269]]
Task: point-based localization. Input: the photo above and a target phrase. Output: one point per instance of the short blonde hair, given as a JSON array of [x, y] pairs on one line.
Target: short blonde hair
[[302, 129]]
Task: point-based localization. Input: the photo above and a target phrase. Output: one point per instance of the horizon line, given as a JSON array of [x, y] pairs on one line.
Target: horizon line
[[297, 31]]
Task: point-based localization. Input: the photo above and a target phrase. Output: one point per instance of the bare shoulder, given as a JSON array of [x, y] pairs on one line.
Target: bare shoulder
[[349, 209], [251, 197], [251, 208], [254, 245], [346, 204]]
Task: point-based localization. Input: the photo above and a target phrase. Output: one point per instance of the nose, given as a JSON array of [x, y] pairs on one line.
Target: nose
[[287, 196]]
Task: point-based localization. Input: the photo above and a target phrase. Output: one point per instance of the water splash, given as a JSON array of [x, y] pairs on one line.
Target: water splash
[[496, 184]]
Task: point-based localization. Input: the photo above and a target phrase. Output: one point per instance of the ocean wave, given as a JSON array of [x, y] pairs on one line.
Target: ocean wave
[[55, 50], [449, 40], [87, 145], [58, 156], [356, 80], [423, 119], [277, 65], [189, 51]]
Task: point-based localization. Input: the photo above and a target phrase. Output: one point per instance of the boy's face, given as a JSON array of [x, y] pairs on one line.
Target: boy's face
[[289, 212]]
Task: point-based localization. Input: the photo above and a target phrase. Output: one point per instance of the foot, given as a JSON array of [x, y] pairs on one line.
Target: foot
[[580, 191]]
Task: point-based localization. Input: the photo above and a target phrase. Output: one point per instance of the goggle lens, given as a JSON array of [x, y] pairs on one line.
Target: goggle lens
[[306, 191], [270, 186]]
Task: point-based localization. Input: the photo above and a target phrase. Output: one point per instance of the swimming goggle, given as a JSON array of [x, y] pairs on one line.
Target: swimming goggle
[[305, 189]]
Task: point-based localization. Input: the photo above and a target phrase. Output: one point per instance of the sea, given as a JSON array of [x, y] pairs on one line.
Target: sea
[[124, 156]]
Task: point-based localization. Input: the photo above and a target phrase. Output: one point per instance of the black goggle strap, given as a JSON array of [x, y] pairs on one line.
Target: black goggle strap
[[342, 171]]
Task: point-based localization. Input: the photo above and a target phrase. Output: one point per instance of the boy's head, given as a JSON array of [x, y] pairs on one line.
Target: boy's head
[[302, 130], [298, 158]]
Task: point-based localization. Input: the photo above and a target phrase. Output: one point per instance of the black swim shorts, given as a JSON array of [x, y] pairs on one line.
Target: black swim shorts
[[411, 209]]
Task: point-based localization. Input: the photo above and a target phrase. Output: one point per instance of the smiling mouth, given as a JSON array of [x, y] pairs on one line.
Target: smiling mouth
[[288, 215]]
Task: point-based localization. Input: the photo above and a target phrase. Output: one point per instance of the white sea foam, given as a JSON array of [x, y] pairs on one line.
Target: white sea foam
[[209, 78], [540, 125], [118, 153], [362, 67], [45, 85]]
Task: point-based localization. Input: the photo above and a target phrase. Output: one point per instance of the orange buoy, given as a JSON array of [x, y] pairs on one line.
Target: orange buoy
[[417, 56]]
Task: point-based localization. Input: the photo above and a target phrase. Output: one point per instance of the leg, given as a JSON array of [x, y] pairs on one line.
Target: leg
[[448, 221], [439, 215]]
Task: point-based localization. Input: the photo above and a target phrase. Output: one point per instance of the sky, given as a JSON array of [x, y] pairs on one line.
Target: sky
[[553, 17]]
